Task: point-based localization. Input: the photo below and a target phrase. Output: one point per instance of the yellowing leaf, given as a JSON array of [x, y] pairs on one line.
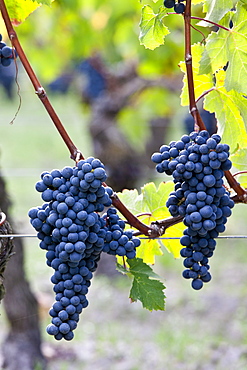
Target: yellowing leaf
[[229, 47], [202, 82], [148, 249], [195, 2], [19, 10], [152, 202], [173, 245]]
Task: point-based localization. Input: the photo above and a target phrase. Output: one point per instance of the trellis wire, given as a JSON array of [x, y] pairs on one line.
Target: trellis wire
[[160, 238]]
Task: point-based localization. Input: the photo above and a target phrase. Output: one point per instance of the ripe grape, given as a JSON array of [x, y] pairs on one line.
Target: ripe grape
[[74, 233], [199, 196], [179, 8], [7, 54], [169, 3]]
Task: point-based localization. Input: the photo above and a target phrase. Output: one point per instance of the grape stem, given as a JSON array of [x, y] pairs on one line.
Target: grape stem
[[199, 124], [213, 23], [205, 93], [239, 173]]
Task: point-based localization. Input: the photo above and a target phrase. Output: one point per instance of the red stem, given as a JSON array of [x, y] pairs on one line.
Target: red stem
[[205, 93], [132, 220], [215, 24], [199, 125], [239, 173]]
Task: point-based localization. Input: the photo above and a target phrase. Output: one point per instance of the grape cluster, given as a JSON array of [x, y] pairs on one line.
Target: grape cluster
[[7, 54], [197, 163], [73, 233], [117, 241], [178, 7]]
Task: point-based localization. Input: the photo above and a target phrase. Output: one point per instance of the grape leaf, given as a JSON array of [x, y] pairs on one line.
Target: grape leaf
[[231, 112], [237, 52], [195, 2], [239, 159], [148, 291], [152, 202], [242, 179], [216, 9], [19, 10], [228, 47], [152, 29], [202, 82]]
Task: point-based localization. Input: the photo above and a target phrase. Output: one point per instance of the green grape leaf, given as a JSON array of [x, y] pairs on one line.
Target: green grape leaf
[[151, 206], [228, 47], [239, 159], [19, 10], [231, 112], [216, 9], [202, 82], [152, 29], [242, 179], [215, 55], [44, 2], [237, 52], [145, 287]]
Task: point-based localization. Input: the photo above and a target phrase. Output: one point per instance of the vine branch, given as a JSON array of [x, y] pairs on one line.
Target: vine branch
[[199, 124]]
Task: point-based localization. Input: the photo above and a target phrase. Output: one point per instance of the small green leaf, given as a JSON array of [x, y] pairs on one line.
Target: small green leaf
[[148, 291], [138, 267], [156, 198], [152, 31]]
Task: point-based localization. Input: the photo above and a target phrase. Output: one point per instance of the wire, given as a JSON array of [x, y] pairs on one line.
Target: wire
[[161, 238]]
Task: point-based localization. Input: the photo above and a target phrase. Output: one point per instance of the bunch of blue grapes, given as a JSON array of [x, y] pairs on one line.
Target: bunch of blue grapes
[[179, 6], [197, 163], [7, 54], [74, 234], [117, 240]]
